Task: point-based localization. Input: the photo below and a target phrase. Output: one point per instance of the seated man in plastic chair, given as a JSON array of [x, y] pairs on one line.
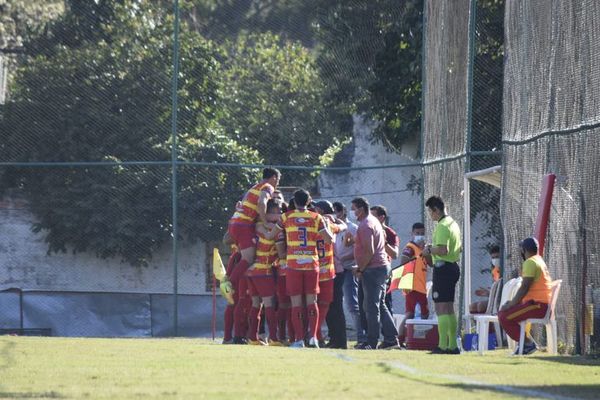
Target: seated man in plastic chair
[[532, 298], [479, 307]]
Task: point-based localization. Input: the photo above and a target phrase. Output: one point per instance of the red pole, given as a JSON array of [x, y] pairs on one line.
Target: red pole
[[544, 206], [214, 307]]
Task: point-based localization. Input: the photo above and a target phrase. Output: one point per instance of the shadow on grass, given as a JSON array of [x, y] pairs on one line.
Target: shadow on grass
[[6, 360], [588, 361], [6, 357], [554, 392], [548, 391], [30, 395]]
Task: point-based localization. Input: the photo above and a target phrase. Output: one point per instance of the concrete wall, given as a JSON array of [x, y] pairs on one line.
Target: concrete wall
[[386, 186], [25, 264]]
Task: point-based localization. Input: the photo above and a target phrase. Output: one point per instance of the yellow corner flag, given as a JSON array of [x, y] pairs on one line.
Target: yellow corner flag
[[218, 267], [219, 270]]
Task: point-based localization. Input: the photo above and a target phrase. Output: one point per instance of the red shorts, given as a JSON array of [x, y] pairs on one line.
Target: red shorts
[[263, 286], [412, 298], [325, 291], [244, 235], [301, 282], [282, 296]]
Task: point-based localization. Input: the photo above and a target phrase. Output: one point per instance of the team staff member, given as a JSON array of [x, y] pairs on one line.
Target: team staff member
[[532, 298], [392, 246], [444, 252], [373, 268], [302, 230], [418, 293], [242, 225], [284, 305], [326, 264]]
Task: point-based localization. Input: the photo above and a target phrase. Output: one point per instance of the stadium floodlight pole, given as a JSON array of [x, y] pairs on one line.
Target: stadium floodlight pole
[[174, 161]]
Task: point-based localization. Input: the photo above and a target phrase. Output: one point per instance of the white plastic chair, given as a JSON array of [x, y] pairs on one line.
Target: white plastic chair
[[493, 299], [549, 321], [483, 321]]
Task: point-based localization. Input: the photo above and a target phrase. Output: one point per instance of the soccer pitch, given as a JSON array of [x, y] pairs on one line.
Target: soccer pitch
[[198, 368]]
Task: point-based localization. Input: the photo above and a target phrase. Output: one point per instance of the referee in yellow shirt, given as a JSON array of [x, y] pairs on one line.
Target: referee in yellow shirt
[[443, 254]]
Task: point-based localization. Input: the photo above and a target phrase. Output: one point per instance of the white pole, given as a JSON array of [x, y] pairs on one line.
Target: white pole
[[467, 253]]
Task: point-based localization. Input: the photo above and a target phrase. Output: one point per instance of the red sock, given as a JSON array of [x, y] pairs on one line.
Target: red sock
[[228, 322], [313, 319], [272, 322], [239, 326], [298, 323], [290, 323], [323, 309], [254, 321], [305, 319], [281, 321]]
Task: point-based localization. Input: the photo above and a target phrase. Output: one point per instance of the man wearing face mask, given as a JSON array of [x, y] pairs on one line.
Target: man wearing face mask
[[479, 307], [532, 298], [418, 295]]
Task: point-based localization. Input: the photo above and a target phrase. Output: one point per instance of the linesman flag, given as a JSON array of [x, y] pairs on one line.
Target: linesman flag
[[220, 274], [403, 276]]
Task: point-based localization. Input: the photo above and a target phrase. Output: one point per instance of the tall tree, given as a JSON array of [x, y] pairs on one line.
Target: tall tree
[[108, 98]]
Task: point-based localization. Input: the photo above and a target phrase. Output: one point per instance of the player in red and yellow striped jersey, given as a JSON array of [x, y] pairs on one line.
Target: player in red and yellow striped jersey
[[326, 263], [302, 230], [242, 225], [262, 279], [284, 303], [230, 308]]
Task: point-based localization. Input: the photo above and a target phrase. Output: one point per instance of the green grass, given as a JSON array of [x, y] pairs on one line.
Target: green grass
[[197, 369]]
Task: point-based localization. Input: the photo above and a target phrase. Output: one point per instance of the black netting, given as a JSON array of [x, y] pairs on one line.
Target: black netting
[[550, 125]]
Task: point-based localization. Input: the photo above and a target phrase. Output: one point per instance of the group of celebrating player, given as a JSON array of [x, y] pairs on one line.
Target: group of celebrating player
[[291, 259], [283, 260]]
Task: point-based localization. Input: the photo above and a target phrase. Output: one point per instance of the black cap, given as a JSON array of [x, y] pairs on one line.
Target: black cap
[[325, 205], [530, 244]]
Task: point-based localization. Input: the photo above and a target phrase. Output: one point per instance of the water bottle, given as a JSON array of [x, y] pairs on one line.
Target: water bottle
[[459, 343], [418, 311]]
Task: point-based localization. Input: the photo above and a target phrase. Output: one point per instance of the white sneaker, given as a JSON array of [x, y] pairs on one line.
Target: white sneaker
[[299, 344], [313, 343]]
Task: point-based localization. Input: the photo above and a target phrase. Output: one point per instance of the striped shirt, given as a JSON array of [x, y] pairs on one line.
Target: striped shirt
[[302, 229], [247, 212]]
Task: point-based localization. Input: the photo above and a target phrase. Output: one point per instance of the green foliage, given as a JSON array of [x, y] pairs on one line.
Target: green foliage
[[396, 90], [273, 95], [22, 19], [110, 101], [370, 56]]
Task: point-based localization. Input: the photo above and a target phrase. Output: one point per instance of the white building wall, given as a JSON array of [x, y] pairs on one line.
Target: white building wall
[[386, 186], [25, 264]]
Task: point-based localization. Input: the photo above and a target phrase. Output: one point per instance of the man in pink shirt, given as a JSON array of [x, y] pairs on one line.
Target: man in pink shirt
[[373, 268]]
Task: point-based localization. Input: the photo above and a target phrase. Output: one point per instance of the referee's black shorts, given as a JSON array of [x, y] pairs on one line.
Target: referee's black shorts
[[445, 277]]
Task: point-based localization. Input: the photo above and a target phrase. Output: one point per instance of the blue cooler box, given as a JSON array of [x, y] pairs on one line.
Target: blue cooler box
[[471, 340]]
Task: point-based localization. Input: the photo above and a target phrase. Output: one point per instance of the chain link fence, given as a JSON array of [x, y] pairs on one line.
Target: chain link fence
[[129, 130], [550, 120], [117, 180]]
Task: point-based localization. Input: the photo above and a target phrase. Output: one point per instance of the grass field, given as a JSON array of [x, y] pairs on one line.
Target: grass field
[[198, 369]]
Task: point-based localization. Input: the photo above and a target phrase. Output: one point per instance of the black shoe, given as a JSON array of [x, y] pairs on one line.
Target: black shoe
[[389, 346], [359, 345], [453, 351], [334, 345], [529, 348], [364, 346], [240, 340], [437, 350]]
